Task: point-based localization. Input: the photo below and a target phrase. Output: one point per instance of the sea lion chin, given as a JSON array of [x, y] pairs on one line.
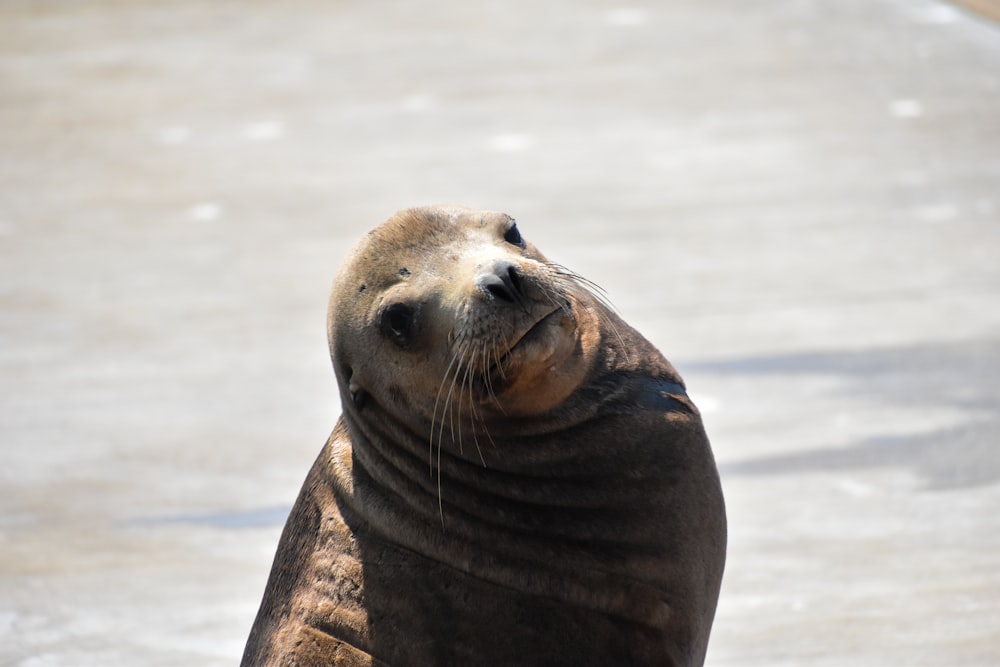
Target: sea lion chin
[[518, 476]]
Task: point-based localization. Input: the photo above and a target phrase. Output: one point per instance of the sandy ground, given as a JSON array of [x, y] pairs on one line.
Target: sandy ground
[[799, 202]]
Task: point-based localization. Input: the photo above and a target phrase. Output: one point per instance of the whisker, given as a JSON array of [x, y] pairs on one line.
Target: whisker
[[482, 420], [554, 297], [596, 290], [488, 377], [444, 379], [451, 377], [461, 394], [473, 415], [440, 495], [449, 407], [570, 278]]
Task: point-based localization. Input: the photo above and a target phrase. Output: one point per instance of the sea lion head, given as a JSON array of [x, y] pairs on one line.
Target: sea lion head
[[447, 313]]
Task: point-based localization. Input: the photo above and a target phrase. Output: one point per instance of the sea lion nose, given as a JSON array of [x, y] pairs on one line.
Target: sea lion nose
[[502, 281]]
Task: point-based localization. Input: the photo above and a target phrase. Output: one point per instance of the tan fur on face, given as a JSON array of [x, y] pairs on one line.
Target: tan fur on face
[[466, 354]]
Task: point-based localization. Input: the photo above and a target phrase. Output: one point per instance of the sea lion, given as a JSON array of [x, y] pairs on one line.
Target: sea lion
[[517, 478]]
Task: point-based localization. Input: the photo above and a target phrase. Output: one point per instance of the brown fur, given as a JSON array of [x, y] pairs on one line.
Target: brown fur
[[517, 478]]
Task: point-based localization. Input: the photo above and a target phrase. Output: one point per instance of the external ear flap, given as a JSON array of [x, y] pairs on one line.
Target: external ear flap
[[358, 395]]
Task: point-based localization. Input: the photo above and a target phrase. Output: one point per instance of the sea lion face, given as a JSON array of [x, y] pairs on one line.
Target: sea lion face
[[449, 314]]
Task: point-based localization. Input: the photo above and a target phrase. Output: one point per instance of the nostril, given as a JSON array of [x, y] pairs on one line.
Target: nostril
[[495, 286], [514, 278], [503, 281]]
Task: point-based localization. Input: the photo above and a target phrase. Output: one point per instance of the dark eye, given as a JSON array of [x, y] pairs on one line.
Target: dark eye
[[397, 321], [513, 236]]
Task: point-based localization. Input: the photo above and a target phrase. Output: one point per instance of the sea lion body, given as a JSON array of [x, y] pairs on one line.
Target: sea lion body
[[518, 477]]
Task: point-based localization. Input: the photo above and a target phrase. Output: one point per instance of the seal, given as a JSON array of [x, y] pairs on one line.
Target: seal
[[517, 476]]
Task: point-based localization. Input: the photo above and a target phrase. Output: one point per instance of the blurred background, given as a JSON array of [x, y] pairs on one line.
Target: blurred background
[[797, 201]]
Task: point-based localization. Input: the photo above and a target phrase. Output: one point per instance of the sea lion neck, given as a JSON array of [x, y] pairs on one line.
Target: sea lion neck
[[609, 381], [590, 485]]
